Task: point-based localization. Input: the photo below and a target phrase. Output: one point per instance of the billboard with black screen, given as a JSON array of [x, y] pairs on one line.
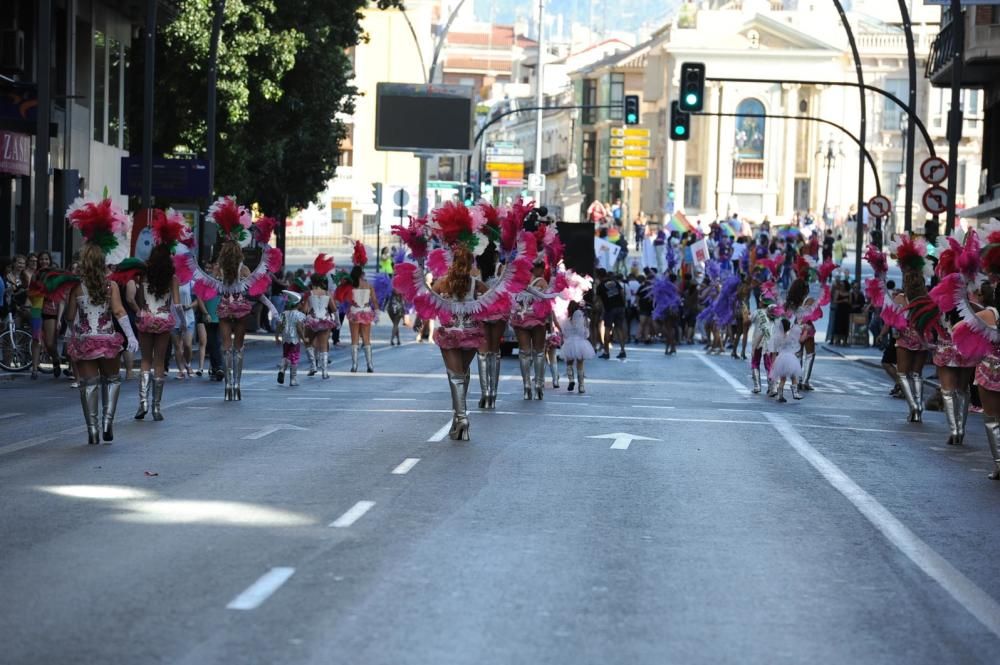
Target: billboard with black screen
[[424, 118]]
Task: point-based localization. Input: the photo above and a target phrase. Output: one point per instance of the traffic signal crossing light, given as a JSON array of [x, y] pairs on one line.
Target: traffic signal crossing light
[[377, 193], [692, 86], [631, 109], [680, 123]]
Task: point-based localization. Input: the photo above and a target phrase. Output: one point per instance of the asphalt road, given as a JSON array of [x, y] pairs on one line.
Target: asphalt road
[[738, 531]]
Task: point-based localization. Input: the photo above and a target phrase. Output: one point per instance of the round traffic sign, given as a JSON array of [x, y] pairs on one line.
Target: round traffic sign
[[936, 200], [401, 198], [879, 206], [934, 170]]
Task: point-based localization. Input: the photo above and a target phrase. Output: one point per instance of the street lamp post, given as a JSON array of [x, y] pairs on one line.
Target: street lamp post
[[831, 159]]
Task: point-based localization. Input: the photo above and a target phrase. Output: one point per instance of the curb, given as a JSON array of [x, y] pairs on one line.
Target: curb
[[876, 365]]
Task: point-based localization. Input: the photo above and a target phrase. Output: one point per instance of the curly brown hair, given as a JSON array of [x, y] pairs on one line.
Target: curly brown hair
[[798, 291], [160, 271], [914, 284], [230, 258], [93, 272], [458, 281]]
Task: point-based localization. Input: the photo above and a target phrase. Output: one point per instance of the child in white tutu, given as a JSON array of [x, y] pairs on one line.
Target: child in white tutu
[[576, 346], [785, 341]]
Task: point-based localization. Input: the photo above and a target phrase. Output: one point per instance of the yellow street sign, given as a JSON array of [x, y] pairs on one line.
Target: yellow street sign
[[635, 152], [636, 131], [637, 142], [616, 163], [621, 173], [618, 131], [641, 163], [617, 143], [617, 152]]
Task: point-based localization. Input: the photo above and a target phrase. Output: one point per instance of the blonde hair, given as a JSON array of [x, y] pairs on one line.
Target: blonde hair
[[94, 273], [230, 258], [458, 281]]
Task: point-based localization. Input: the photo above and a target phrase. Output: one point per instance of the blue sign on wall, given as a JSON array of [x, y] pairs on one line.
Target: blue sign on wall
[[172, 178]]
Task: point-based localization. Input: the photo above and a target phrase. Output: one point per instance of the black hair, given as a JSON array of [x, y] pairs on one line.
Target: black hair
[[356, 273], [487, 261], [319, 281], [573, 307], [890, 284], [160, 270], [786, 325]]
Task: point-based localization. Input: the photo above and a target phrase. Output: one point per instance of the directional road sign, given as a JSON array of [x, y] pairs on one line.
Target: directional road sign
[[623, 173], [536, 182], [879, 206], [936, 200], [934, 170]]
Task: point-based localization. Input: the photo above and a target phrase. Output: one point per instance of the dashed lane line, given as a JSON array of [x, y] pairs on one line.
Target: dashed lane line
[[406, 466], [356, 512], [261, 590]]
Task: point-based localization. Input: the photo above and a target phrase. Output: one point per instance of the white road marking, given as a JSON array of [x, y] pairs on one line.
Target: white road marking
[[726, 376], [622, 440], [261, 590], [651, 406], [405, 467], [308, 399], [79, 429], [976, 601], [355, 513], [440, 434], [394, 399], [653, 399], [271, 429], [10, 415]]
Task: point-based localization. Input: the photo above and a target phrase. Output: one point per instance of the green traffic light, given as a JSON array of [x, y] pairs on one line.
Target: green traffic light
[[679, 130], [691, 99], [632, 119]]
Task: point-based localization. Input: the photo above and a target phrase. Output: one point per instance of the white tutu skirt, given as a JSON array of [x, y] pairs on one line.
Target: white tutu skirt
[[576, 348], [786, 365]]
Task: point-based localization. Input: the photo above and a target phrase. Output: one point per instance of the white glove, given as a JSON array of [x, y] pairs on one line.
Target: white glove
[[126, 326]]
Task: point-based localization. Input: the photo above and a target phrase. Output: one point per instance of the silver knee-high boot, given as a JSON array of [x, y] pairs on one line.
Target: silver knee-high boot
[[311, 354], [539, 363], [354, 357], [524, 359], [459, 386], [579, 388], [90, 395], [110, 389], [493, 369], [144, 379], [963, 399], [227, 362], [324, 360], [571, 382], [906, 386], [948, 399], [484, 379], [293, 376], [795, 391], [237, 373], [993, 437], [368, 358], [917, 380], [554, 370], [158, 383], [755, 376], [808, 360], [281, 370]]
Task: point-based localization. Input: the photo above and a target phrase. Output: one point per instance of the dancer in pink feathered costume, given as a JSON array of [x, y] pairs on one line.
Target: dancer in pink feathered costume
[[93, 307], [911, 346], [322, 316], [958, 270], [237, 285], [455, 297], [501, 227], [807, 310], [364, 307]]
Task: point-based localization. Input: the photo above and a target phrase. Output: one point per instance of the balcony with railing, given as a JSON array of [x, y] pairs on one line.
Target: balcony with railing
[[981, 62], [553, 164]]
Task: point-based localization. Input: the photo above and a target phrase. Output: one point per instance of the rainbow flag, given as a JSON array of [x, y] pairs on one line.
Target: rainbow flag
[[678, 222]]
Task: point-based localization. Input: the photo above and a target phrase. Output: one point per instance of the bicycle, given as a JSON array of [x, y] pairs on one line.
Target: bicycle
[[15, 347]]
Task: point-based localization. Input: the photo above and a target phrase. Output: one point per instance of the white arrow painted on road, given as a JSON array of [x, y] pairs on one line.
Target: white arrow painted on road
[[271, 429], [622, 440]]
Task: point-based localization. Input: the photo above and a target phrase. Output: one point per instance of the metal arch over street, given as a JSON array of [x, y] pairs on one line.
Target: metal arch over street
[[864, 151]]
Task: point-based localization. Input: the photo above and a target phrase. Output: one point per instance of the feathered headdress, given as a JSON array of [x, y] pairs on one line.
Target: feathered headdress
[[955, 256], [990, 253], [414, 236], [492, 220], [876, 259], [360, 255], [104, 224], [322, 264], [910, 253], [170, 228], [805, 269], [263, 228], [234, 221], [825, 271], [454, 224]]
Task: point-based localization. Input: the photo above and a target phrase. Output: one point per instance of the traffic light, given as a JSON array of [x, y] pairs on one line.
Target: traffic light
[[680, 123], [671, 194], [470, 195], [377, 193], [692, 86], [631, 109]]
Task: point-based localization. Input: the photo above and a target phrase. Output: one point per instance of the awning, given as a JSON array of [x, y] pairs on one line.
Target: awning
[[982, 211]]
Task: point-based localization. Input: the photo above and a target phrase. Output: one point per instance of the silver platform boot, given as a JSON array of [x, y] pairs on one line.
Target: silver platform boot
[[158, 383], [554, 370], [993, 437], [917, 380], [110, 389], [237, 373], [524, 359], [755, 376], [324, 361], [144, 379], [906, 386], [354, 357], [293, 376], [90, 395], [484, 379], [311, 354], [368, 359], [227, 363], [493, 370], [808, 360], [459, 386], [539, 363], [962, 401], [948, 399]]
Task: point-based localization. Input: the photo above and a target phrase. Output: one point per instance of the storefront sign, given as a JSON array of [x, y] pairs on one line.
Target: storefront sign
[[15, 153]]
